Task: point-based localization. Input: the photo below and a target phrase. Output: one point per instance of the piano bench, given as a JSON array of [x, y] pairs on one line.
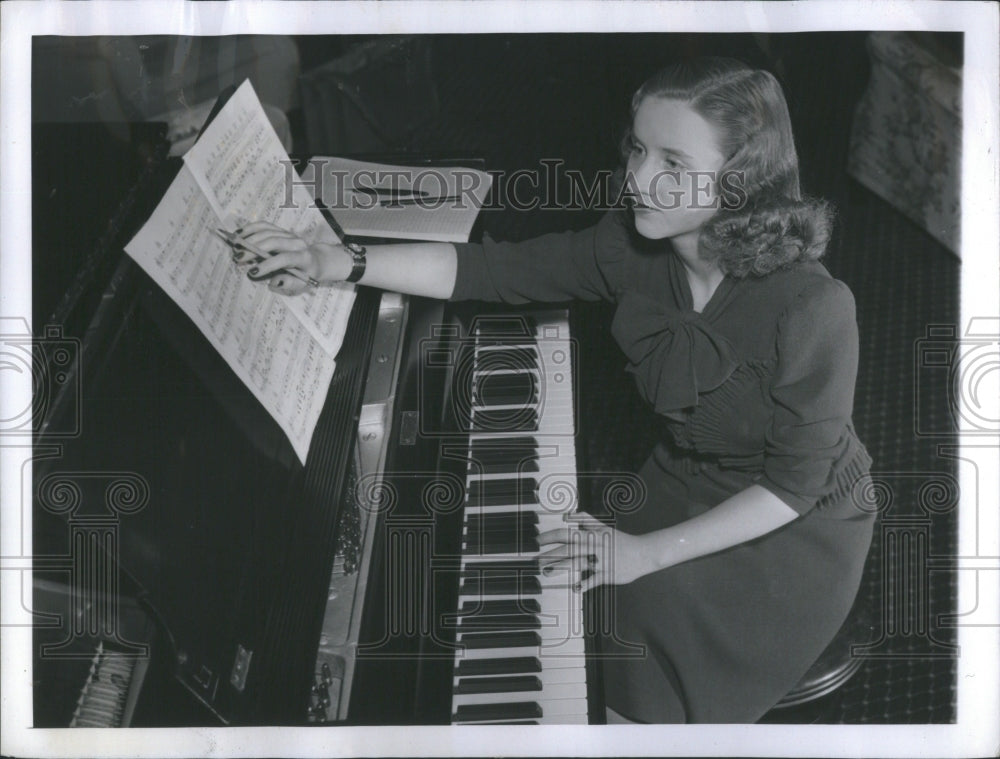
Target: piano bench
[[835, 666]]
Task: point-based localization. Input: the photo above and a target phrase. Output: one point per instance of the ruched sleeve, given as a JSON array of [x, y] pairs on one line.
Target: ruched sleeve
[[813, 392], [584, 265]]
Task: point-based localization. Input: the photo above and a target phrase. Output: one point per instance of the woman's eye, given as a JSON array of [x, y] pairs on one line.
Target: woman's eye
[[635, 148], [670, 163]]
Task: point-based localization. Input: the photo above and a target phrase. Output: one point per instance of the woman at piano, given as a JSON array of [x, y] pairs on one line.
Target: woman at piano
[[747, 554]]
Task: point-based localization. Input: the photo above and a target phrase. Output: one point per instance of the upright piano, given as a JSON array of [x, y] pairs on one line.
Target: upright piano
[[199, 574]]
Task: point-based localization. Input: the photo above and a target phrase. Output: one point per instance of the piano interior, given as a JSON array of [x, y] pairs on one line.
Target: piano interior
[[190, 571]]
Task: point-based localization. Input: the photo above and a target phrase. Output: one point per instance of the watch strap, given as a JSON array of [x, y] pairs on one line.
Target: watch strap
[[359, 261]]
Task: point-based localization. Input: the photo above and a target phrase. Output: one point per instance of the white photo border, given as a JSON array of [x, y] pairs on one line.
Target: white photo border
[[975, 732]]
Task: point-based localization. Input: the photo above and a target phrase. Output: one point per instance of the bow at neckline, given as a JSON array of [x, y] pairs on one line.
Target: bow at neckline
[[673, 354]]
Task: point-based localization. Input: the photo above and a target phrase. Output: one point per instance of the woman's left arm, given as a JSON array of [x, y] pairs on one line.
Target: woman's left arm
[[813, 395], [616, 558]]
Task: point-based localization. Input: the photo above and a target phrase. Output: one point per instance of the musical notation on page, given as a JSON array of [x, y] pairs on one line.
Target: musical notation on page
[[282, 348]]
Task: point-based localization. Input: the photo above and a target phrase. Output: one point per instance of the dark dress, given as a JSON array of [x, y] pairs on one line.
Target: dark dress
[[757, 388]]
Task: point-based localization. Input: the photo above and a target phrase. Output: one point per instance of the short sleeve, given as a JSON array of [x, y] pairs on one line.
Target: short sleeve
[[556, 267], [813, 395]]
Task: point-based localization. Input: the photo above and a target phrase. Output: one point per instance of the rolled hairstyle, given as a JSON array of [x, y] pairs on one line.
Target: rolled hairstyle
[[764, 223]]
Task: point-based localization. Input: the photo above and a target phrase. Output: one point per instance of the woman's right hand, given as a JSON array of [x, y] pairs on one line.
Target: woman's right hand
[[285, 251]]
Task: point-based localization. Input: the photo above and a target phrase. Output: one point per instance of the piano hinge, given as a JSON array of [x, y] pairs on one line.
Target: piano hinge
[[241, 666], [409, 423]]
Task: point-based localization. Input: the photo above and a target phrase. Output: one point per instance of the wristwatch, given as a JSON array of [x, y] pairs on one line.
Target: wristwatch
[[359, 261]]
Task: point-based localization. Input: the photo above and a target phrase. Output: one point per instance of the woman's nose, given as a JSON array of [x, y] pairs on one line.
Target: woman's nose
[[642, 175]]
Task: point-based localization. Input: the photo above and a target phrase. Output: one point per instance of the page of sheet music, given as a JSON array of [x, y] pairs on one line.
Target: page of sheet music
[[244, 171], [255, 331], [362, 215]]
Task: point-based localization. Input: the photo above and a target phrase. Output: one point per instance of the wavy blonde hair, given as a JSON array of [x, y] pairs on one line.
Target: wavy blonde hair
[[770, 225]]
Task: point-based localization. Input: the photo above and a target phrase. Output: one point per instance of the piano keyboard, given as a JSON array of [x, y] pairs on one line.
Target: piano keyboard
[[520, 656], [104, 696]]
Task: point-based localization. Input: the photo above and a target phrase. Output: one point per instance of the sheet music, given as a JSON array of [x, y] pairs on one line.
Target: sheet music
[[241, 167], [255, 331], [360, 215], [283, 348]]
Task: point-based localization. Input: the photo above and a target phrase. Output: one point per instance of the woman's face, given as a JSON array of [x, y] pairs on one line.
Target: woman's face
[[673, 167]]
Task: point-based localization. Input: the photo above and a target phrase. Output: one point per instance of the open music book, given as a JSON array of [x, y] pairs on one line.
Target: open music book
[[283, 348], [399, 202]]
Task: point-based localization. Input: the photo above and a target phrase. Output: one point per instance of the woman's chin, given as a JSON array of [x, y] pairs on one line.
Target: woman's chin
[[647, 226]]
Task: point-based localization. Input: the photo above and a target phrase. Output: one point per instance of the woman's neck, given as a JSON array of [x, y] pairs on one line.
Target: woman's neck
[[703, 276]]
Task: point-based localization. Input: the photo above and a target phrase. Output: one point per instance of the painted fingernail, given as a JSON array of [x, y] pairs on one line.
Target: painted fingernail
[[281, 283], [546, 570], [239, 230], [253, 273]]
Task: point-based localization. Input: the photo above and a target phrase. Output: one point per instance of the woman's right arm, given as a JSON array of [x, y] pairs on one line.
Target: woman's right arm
[[553, 268], [414, 268]]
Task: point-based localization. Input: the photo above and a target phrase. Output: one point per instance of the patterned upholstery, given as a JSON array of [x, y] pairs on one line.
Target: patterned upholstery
[[906, 137]]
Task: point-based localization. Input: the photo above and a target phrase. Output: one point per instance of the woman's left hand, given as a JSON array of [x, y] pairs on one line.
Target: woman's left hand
[[594, 554]]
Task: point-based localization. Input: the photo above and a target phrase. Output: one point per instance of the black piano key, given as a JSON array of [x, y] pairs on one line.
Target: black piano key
[[502, 544], [508, 458], [511, 327], [483, 447], [510, 490], [504, 420], [503, 382], [511, 566], [475, 573], [500, 623], [506, 390], [512, 665], [502, 606], [519, 722], [493, 533], [510, 466], [481, 712], [505, 357], [509, 639], [501, 520], [506, 586], [504, 684]]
